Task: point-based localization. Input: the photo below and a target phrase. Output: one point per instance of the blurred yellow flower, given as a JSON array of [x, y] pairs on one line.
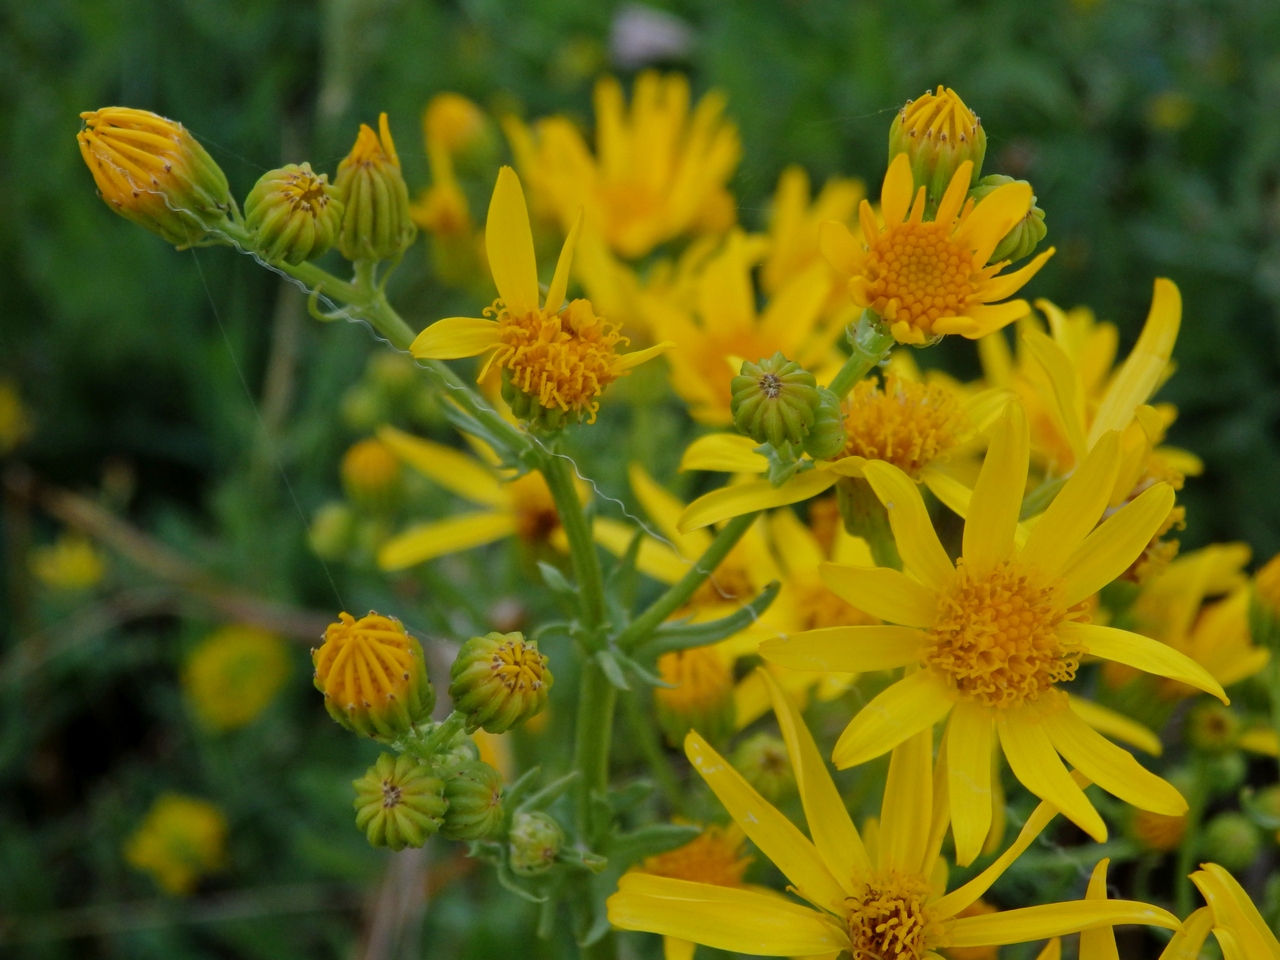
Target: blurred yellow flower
[[71, 563], [233, 675], [370, 472], [15, 422], [181, 840], [451, 124]]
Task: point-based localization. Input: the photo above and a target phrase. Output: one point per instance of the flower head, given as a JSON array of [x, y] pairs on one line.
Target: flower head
[[234, 674], [499, 681], [371, 472], [715, 856], [375, 221], [181, 840], [938, 133], [293, 214], [399, 802], [699, 696], [71, 564], [930, 278]]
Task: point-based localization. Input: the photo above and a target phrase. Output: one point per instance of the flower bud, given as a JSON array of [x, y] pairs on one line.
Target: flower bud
[[375, 219], [152, 171], [292, 214], [1157, 831], [1232, 840], [1212, 727], [499, 680], [474, 792], [938, 133], [1025, 236], [399, 803], [379, 687], [455, 124], [535, 840], [333, 530], [1264, 605], [371, 474], [776, 401], [763, 761], [529, 409], [700, 695]]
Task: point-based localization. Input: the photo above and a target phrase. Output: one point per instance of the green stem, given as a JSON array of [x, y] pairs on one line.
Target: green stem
[[655, 756], [1189, 849], [558, 471], [597, 698], [871, 342], [679, 593]]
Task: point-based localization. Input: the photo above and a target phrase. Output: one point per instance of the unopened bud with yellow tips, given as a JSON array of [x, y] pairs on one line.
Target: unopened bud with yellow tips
[[1264, 605], [777, 401], [399, 803], [699, 696], [292, 214], [373, 676], [1026, 234], [938, 133], [535, 840], [763, 760], [1213, 727], [499, 680], [154, 172], [474, 791], [375, 218], [371, 474]]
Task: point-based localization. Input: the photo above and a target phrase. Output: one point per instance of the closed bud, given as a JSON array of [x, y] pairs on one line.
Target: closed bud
[[371, 474], [1213, 727], [474, 791], [827, 436], [535, 840], [938, 133], [775, 401], [499, 680], [333, 530], [399, 803], [379, 687], [152, 171], [1264, 605], [292, 214], [763, 761], [1232, 840], [375, 218], [700, 695], [1025, 236]]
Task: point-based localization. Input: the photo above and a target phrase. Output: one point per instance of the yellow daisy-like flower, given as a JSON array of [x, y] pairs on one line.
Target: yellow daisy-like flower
[[881, 898], [234, 674], [561, 356], [181, 840], [513, 506], [450, 125], [71, 563], [659, 171], [930, 278], [1230, 915], [986, 640]]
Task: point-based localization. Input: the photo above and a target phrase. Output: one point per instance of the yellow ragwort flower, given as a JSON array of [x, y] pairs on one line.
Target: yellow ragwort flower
[[561, 356], [234, 674], [71, 563], [370, 472], [659, 172], [880, 895], [181, 840], [930, 278], [1239, 928], [987, 640]]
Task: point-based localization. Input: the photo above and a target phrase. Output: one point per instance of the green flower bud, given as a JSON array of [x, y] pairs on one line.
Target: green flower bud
[[699, 696], [529, 409], [1026, 235], [375, 220], [499, 680], [399, 803], [292, 214], [332, 530], [535, 840], [827, 436], [775, 401], [474, 792], [380, 687], [1213, 727], [938, 133], [1232, 840], [763, 761]]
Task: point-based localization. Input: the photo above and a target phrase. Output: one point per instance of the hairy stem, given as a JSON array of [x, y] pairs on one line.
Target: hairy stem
[[558, 471], [597, 698], [871, 342]]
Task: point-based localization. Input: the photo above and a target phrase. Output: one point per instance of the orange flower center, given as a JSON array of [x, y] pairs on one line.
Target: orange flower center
[[714, 856], [305, 191], [907, 424], [364, 662], [517, 666], [995, 636], [700, 681], [888, 918], [916, 273]]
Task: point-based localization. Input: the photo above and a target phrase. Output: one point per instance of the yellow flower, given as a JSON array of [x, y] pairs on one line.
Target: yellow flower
[[881, 895], [562, 358], [234, 674], [71, 563], [370, 472], [659, 172], [987, 640], [181, 840], [927, 279], [1235, 922], [15, 422], [722, 327], [375, 216], [450, 124], [519, 506]]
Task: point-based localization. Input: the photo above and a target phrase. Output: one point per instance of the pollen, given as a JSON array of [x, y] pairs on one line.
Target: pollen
[[564, 360], [365, 662], [714, 856], [916, 274], [305, 192], [940, 117], [906, 423], [888, 918], [518, 666], [995, 637], [700, 681]]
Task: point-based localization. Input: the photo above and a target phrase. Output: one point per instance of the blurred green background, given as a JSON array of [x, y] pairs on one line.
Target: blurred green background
[[190, 393]]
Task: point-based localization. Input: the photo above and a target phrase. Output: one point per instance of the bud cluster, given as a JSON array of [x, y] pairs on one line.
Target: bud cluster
[[778, 402]]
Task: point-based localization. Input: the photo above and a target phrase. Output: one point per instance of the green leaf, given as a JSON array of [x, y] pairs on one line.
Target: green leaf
[[612, 669], [683, 635]]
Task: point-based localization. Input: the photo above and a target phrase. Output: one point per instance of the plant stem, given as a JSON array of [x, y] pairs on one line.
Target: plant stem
[[1189, 849], [597, 698], [871, 342], [558, 471], [651, 747], [678, 594]]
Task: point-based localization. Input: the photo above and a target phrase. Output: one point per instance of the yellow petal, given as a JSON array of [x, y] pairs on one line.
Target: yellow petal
[[1075, 510], [428, 540], [997, 214], [1054, 920], [455, 337], [1190, 938], [673, 948], [969, 743], [740, 921], [914, 703], [906, 813], [918, 543], [992, 521], [846, 649], [1035, 763], [882, 592], [1119, 540], [1064, 379], [797, 547], [1110, 767], [740, 498], [560, 280], [897, 190], [839, 248], [509, 243], [1100, 942], [724, 453], [950, 491], [1234, 911], [957, 190], [1263, 740], [451, 468], [777, 837], [1149, 655], [1052, 950], [1007, 284], [627, 361], [655, 559], [830, 826], [664, 510], [1116, 725]]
